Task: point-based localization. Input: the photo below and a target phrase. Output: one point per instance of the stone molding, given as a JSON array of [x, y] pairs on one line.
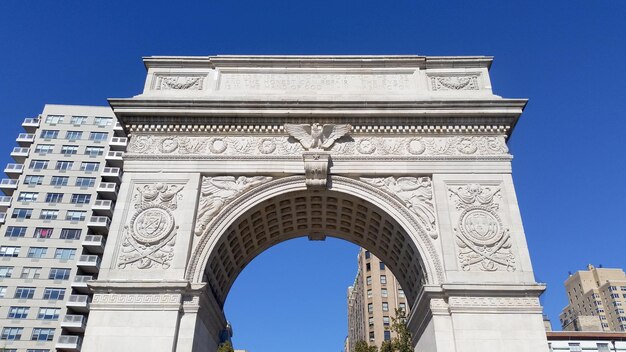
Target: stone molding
[[494, 304]]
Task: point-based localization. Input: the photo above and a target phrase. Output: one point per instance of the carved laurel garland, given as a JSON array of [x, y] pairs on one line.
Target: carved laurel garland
[[484, 242], [416, 193], [447, 82], [217, 192], [150, 236], [345, 146], [197, 257]]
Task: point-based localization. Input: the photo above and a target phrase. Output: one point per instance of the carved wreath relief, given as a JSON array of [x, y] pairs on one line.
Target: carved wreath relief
[[218, 191], [416, 193], [484, 243], [150, 237]]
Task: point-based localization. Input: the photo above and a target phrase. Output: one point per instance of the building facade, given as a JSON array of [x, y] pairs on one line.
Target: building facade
[[587, 341], [59, 199], [597, 299], [372, 301]]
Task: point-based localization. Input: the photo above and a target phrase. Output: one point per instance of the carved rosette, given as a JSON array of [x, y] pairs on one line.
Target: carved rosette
[[149, 238], [416, 193], [483, 241], [218, 191]]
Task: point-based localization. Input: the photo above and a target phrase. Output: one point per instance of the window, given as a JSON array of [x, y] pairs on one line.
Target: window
[[48, 313], [54, 293], [70, 234], [85, 181], [367, 254], [400, 292], [612, 288], [98, 136], [369, 293], [42, 334], [402, 306], [75, 215], [64, 253], [38, 164], [103, 121], [64, 165], [386, 321], [372, 336], [59, 180], [18, 313], [369, 280], [73, 135], [15, 231], [6, 271], [87, 166], [387, 335], [44, 148], [78, 120], [37, 252], [370, 321], [385, 307], [24, 292], [10, 333], [614, 295], [381, 266], [48, 214], [22, 213], [603, 347], [383, 279], [574, 347], [3, 291], [33, 180], [54, 197], [80, 198], [36, 350], [59, 274], [9, 251], [49, 134], [383, 292], [368, 267], [94, 151], [69, 149], [30, 272], [27, 197], [54, 119], [370, 308], [43, 232]]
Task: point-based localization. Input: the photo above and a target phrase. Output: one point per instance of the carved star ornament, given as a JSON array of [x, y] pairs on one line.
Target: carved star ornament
[[317, 137]]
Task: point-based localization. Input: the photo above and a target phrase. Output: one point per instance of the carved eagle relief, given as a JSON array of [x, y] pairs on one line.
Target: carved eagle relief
[[316, 137]]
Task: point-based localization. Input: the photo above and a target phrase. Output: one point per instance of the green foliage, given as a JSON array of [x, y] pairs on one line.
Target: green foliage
[[362, 346], [402, 341], [386, 346], [225, 347]]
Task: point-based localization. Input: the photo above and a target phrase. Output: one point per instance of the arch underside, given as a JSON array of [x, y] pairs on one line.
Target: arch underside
[[313, 213]]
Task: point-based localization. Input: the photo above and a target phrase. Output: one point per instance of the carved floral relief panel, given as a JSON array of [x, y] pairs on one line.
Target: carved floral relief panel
[[482, 237], [149, 237]]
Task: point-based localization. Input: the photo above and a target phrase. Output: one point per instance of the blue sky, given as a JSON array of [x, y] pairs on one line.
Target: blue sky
[[567, 57]]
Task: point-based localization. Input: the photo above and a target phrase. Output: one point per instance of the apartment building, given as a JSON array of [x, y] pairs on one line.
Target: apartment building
[[60, 194], [372, 302], [597, 299]]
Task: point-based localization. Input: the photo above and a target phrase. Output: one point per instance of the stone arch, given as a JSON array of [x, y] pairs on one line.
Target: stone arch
[[284, 208]]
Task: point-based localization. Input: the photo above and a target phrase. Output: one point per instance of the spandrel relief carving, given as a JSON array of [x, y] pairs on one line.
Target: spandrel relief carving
[[483, 240], [218, 191], [148, 240]]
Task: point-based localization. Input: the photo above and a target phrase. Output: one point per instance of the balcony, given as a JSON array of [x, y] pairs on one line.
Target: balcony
[[14, 170], [107, 190], [78, 303], [31, 124], [99, 224], [118, 130], [103, 207], [114, 158], [89, 263], [74, 323], [69, 343], [5, 202], [20, 154], [80, 283], [3, 218], [113, 174], [25, 139], [94, 243], [118, 143], [8, 185]]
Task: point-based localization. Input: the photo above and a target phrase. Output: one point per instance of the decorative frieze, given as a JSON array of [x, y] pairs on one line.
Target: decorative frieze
[[219, 191], [455, 83], [491, 304], [416, 193], [241, 146], [136, 298], [150, 236], [483, 241], [178, 82]]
